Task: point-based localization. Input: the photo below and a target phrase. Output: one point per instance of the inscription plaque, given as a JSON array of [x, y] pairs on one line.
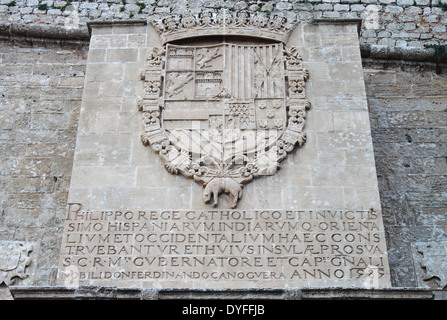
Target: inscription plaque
[[225, 248], [244, 185]]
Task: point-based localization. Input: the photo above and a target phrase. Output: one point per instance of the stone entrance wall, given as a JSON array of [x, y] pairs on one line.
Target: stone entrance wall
[[316, 222], [37, 156], [41, 88], [388, 23], [408, 113]]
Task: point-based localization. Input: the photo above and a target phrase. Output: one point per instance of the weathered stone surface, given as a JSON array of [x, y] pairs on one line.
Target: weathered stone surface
[[40, 112], [99, 293], [430, 264], [34, 70], [18, 263], [411, 24], [326, 191], [410, 161], [5, 293]]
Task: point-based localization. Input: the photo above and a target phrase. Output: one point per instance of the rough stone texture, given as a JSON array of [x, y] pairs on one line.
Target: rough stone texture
[[334, 170], [401, 23], [408, 112], [430, 263], [41, 88], [17, 262]]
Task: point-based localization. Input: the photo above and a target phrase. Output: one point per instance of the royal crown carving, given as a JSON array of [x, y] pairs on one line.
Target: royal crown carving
[[224, 22], [223, 114]]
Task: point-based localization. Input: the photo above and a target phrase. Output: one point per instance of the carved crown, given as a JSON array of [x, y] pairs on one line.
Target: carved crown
[[224, 22]]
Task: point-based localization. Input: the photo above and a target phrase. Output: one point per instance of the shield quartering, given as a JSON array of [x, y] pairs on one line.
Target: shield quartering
[[224, 113]]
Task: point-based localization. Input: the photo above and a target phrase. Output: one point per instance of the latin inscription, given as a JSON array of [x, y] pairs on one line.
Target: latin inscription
[[288, 246]]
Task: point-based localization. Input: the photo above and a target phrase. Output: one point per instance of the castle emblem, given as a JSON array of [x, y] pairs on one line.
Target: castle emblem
[[226, 113]]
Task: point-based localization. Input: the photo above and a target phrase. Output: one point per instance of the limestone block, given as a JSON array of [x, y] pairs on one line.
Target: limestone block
[[350, 121], [179, 198], [157, 178], [122, 55], [339, 71], [305, 197], [80, 194], [127, 29], [138, 198], [108, 41], [288, 174], [321, 120], [269, 197], [101, 72], [97, 55], [136, 40], [103, 176], [337, 175]]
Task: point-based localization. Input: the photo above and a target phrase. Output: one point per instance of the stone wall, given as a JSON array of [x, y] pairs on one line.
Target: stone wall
[[386, 23], [41, 85], [408, 114], [41, 89]]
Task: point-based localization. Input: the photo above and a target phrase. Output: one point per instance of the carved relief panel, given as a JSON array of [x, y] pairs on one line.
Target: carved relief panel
[[17, 262], [224, 98], [430, 264], [224, 114]]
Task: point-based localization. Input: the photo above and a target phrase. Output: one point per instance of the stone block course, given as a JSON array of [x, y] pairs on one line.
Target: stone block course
[[409, 151], [379, 13]]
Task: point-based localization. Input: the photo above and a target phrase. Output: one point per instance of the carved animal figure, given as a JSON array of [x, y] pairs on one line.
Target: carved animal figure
[[219, 185], [206, 56], [176, 82]]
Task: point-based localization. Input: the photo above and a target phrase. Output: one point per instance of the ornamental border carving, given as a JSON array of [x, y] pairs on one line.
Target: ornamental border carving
[[223, 177], [223, 22]]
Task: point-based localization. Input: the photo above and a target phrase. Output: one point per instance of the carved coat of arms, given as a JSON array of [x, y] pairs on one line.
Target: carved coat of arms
[[226, 113], [14, 260]]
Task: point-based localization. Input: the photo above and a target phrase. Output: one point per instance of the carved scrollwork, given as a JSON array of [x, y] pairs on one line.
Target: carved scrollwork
[[224, 21]]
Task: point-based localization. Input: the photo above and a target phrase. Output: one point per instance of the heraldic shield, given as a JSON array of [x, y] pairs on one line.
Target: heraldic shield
[[224, 114]]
